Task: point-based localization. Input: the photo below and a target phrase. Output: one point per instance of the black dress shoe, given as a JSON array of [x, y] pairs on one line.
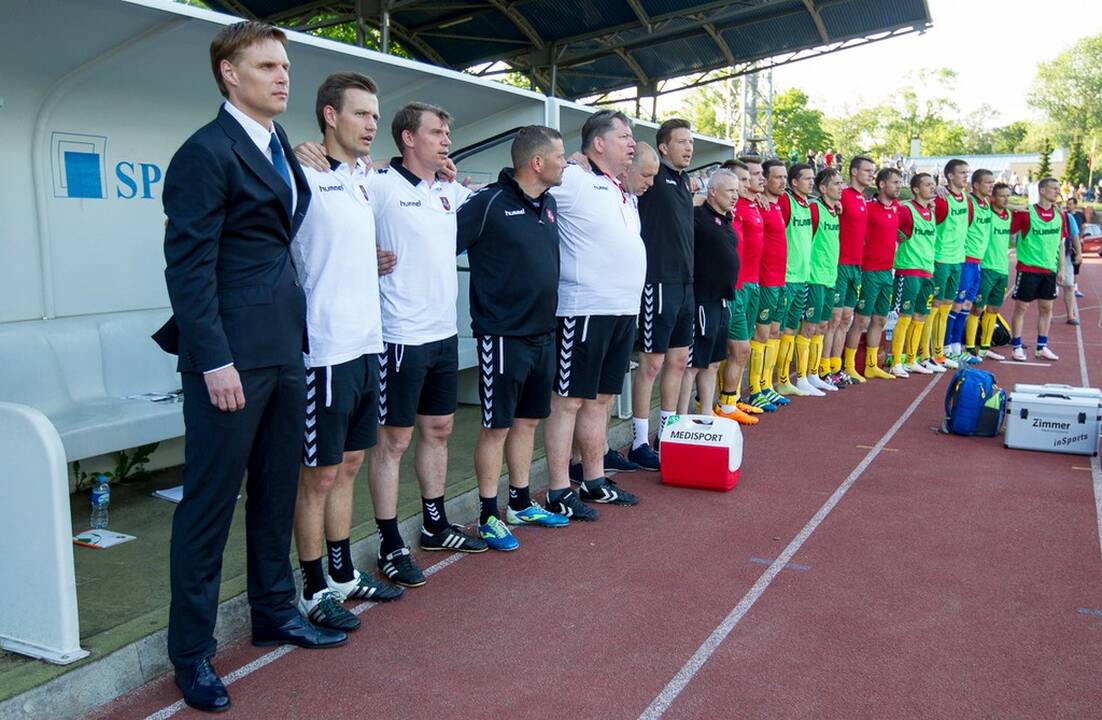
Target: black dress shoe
[[298, 631], [202, 688]]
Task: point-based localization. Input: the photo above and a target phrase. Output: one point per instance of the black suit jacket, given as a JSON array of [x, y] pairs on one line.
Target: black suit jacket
[[235, 296]]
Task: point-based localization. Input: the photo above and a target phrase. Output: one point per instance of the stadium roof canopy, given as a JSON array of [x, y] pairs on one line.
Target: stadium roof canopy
[[575, 49]]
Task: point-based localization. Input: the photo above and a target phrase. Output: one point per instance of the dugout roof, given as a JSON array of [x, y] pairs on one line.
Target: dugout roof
[[594, 47]]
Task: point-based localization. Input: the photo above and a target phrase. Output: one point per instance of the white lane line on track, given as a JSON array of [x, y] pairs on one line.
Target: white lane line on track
[[1096, 467], [666, 697], [270, 657]]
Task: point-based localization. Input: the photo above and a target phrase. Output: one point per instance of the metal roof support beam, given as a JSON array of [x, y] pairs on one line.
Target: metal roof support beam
[[640, 73], [239, 9], [508, 10], [818, 20], [720, 43], [640, 13], [384, 28]]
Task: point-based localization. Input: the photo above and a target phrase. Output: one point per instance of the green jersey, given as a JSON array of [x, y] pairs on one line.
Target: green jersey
[[997, 257], [979, 232], [798, 233], [917, 251], [824, 247], [952, 231], [1042, 245]]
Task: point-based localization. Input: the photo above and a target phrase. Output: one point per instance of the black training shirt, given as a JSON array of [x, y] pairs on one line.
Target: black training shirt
[[512, 242], [717, 261], [666, 213]]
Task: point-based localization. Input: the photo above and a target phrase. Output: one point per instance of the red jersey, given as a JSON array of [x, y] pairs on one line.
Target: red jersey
[[851, 228], [1019, 223], [751, 232], [881, 235], [774, 249], [907, 226]]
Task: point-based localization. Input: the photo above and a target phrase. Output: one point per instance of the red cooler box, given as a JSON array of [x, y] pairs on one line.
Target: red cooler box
[[701, 451]]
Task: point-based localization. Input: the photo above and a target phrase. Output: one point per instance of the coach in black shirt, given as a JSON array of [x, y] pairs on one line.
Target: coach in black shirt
[[510, 232], [666, 310]]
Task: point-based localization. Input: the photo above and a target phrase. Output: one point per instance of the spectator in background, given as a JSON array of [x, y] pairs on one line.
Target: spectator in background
[[838, 161], [1079, 215], [1073, 253], [793, 156], [810, 157], [828, 159]]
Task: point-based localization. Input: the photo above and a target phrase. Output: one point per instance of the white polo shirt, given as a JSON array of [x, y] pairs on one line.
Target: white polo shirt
[[334, 254], [417, 222], [602, 259]]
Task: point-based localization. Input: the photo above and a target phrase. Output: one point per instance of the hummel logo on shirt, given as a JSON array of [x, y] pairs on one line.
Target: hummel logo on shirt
[[513, 213], [330, 188], [600, 187], [411, 203], [671, 181]]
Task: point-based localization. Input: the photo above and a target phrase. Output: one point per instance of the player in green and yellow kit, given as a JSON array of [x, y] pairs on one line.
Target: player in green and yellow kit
[[994, 273], [796, 209], [953, 215], [822, 278], [914, 273]]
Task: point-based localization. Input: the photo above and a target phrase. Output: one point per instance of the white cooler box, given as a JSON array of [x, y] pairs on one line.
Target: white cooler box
[[701, 451], [1053, 418]]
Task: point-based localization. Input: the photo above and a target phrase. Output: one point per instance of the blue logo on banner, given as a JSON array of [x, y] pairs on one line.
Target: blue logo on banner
[[79, 164]]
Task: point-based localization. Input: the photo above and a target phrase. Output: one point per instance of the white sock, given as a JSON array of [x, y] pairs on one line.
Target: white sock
[[662, 427], [640, 428], [956, 348]]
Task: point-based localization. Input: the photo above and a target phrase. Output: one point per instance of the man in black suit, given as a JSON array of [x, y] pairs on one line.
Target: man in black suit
[[234, 196]]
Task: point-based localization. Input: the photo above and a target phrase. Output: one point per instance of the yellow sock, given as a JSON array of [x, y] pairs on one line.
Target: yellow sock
[[772, 350], [990, 320], [971, 325], [899, 339], [851, 361], [757, 360], [918, 332], [939, 328], [872, 358], [784, 360], [924, 345], [803, 350], [836, 364], [815, 359]]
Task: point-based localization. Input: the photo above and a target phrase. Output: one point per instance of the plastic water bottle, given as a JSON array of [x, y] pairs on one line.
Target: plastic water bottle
[[101, 502]]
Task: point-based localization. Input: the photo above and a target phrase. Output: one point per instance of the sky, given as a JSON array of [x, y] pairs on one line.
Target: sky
[[967, 35]]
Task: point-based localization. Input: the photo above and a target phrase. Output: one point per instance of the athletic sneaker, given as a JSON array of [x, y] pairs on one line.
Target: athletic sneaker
[[737, 415], [992, 355], [607, 492], [919, 368], [806, 388], [934, 367], [645, 458], [1018, 354], [851, 379], [325, 610], [776, 398], [946, 362], [972, 359], [1046, 354], [899, 372], [788, 388], [398, 567], [749, 408], [452, 538], [819, 384], [569, 505], [497, 536], [1079, 293], [364, 587], [1073, 321], [761, 400], [535, 515], [615, 462]]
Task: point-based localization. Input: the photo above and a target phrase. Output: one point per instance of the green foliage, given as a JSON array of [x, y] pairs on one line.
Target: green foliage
[[704, 108], [796, 126], [1068, 89], [1076, 169], [129, 466], [1044, 169]]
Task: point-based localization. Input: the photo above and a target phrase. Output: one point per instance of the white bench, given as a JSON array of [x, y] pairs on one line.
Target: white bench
[[63, 393]]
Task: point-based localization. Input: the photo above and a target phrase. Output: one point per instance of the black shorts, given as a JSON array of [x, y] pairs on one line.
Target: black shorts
[[666, 317], [1029, 286], [341, 410], [516, 375], [418, 380], [593, 354], [710, 336]]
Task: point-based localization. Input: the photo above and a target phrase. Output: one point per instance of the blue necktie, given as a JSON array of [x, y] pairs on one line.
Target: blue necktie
[[278, 159]]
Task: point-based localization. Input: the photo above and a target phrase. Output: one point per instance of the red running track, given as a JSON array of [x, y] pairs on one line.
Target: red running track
[[952, 579]]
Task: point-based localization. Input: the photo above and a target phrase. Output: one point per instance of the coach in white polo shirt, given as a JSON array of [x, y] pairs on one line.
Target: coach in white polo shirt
[[334, 253], [602, 268]]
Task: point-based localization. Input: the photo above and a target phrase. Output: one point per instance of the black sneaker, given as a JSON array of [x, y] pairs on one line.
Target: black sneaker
[[325, 610], [645, 458], [452, 538], [575, 473], [364, 587], [570, 505], [606, 492], [398, 567], [615, 462]]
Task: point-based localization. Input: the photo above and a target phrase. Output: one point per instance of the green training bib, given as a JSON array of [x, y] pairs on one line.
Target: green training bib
[[798, 233], [1040, 247], [979, 232], [917, 251], [824, 248], [997, 257], [952, 231]]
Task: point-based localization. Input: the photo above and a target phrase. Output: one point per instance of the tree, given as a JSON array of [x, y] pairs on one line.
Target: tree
[[704, 107], [1010, 138], [1068, 88], [797, 126], [1075, 171], [1044, 170]]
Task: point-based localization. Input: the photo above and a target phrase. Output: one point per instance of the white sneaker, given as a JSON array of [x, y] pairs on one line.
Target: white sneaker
[[899, 372], [1018, 354], [918, 368], [1046, 354], [992, 355], [818, 382], [805, 386], [950, 363], [934, 367]]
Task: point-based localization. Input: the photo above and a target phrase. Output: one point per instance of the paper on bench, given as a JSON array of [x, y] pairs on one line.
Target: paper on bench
[[172, 494], [100, 539]]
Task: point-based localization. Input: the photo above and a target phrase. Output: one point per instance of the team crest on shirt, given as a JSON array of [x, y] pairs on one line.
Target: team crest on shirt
[[447, 205], [717, 221], [550, 216], [364, 191]]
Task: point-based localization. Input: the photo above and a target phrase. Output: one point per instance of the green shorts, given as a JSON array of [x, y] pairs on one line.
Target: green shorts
[[820, 304], [992, 289], [744, 311], [913, 294], [946, 280], [847, 290], [770, 305], [876, 293], [795, 299]]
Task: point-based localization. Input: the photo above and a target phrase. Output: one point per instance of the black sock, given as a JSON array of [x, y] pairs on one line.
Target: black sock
[[519, 499], [340, 560], [389, 537], [433, 516], [313, 577], [488, 509]]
